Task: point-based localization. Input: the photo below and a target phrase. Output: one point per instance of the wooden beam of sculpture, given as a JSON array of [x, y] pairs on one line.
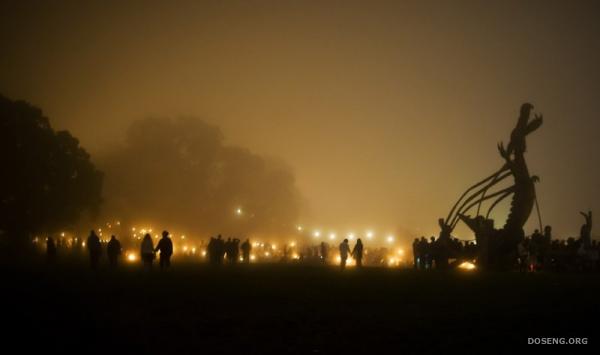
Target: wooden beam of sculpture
[[495, 181], [503, 169]]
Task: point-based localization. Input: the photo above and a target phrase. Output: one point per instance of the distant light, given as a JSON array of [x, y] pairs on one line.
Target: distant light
[[185, 248], [400, 252], [293, 244], [131, 257], [118, 223], [203, 253], [252, 257], [295, 256], [351, 236], [133, 229], [317, 234], [267, 254], [82, 244], [332, 236], [466, 265], [194, 250], [62, 234], [183, 237], [238, 211], [390, 239], [299, 228], [274, 246], [369, 234]]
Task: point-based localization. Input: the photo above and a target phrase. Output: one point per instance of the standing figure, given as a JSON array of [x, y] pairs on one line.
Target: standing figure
[[344, 251], [113, 250], [246, 247], [585, 235], [95, 249], [357, 252], [324, 252], [165, 245], [50, 250], [147, 251]]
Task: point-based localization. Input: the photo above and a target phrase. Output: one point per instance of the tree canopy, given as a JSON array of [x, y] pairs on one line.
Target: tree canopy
[[47, 179]]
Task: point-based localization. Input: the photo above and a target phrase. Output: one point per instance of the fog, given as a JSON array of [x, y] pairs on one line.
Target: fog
[[178, 173], [385, 110]]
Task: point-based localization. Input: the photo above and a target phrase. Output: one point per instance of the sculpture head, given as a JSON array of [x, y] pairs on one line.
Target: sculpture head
[[526, 109]]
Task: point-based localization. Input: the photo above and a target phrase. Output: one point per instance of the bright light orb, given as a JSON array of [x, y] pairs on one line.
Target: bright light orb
[[317, 234], [131, 257], [332, 236], [370, 235], [390, 239]]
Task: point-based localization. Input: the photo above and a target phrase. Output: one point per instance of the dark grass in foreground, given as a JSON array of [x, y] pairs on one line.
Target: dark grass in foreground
[[291, 308]]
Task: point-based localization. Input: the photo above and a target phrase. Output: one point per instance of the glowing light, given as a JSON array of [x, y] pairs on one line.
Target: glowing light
[[293, 244], [252, 257], [62, 234], [390, 239], [332, 236], [267, 254], [194, 250], [369, 234], [351, 236], [82, 244], [295, 256], [183, 237], [393, 262], [238, 211], [131, 257], [274, 246], [185, 248], [118, 223], [299, 228], [133, 229], [203, 253], [466, 265], [400, 252], [317, 234]]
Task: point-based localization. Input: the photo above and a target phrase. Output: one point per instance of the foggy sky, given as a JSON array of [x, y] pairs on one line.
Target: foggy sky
[[386, 111]]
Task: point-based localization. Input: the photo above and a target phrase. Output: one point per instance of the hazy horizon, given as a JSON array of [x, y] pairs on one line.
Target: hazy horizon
[[383, 112]]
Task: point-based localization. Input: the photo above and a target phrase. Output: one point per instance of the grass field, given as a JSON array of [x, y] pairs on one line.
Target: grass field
[[193, 308]]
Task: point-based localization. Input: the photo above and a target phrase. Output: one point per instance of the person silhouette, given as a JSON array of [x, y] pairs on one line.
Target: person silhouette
[[147, 251], [113, 251], [344, 251], [324, 252], [165, 245], [95, 249], [246, 247], [219, 249], [50, 250], [585, 233], [357, 252]]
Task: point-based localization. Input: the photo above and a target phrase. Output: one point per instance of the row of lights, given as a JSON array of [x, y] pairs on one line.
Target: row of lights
[[369, 234]]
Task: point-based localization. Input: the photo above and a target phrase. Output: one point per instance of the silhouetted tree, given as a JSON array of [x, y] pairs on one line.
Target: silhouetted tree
[[47, 180]]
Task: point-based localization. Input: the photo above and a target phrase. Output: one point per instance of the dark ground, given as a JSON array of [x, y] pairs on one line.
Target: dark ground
[[310, 309]]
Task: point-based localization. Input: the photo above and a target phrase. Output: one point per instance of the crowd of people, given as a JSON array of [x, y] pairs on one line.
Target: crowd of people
[[536, 252]]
